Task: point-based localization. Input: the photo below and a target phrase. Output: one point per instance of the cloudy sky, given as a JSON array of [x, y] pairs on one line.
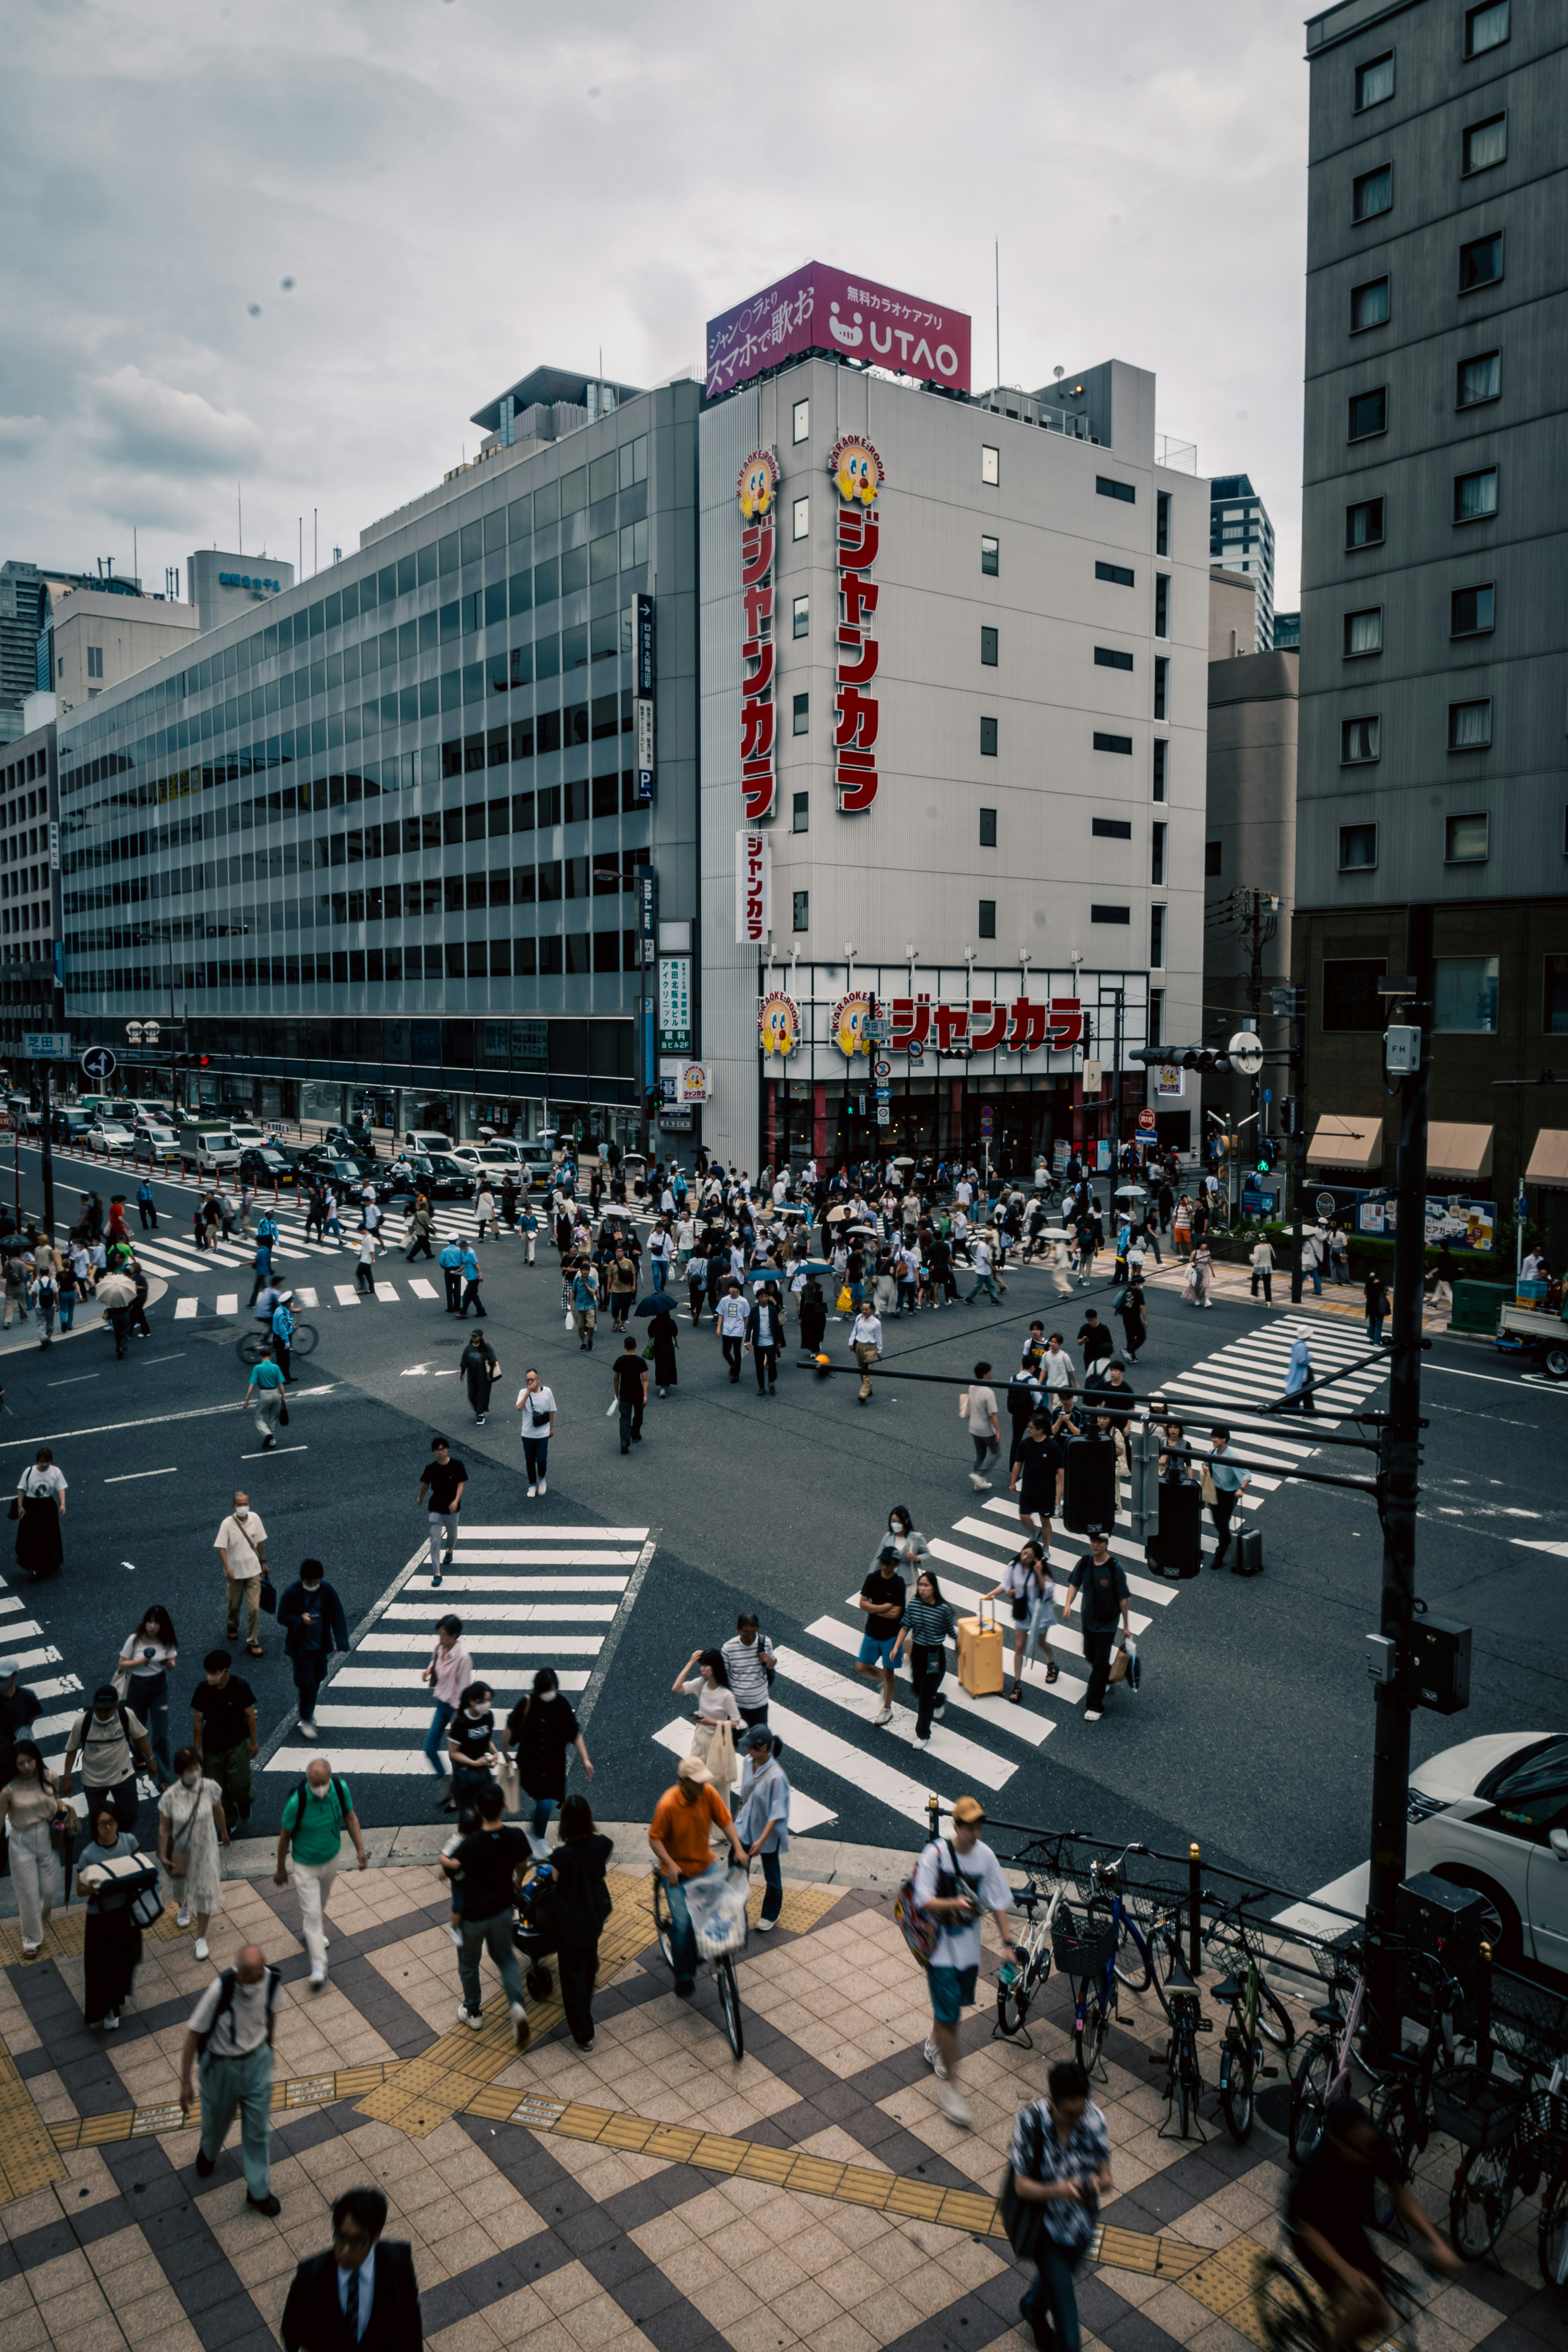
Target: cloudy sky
[[294, 245]]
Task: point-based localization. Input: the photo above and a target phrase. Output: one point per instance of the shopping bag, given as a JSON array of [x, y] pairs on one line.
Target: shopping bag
[[509, 1785], [717, 1905], [568, 1319]]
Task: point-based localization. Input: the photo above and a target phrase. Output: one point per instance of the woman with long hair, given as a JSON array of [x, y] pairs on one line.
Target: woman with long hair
[[147, 1658], [29, 1804], [191, 1824], [542, 1728], [930, 1623], [583, 1906], [716, 1718]]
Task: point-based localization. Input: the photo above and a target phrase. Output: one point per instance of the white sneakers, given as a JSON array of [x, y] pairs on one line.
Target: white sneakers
[[466, 2016], [182, 1915], [977, 1482], [531, 1492], [309, 1730], [201, 1948], [317, 1976], [111, 2022], [955, 2106], [1091, 1715], [934, 2060], [883, 1715], [541, 1485]]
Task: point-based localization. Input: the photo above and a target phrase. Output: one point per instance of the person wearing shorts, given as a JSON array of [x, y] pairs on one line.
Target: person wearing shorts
[[956, 1878], [881, 1596]]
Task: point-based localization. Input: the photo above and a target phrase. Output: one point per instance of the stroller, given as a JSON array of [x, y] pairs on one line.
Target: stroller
[[534, 1931]]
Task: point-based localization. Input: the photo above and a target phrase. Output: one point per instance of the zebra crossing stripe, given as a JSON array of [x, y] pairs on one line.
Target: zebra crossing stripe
[[805, 1812], [864, 1699], [1033, 1729]]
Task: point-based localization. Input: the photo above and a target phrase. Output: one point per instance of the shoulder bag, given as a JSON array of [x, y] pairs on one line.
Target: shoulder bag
[[1022, 2218], [179, 1860]]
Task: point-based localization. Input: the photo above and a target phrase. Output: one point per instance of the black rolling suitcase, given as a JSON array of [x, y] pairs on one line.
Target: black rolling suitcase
[[1247, 1553]]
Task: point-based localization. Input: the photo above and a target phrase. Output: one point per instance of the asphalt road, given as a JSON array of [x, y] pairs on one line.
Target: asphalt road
[[1251, 1734]]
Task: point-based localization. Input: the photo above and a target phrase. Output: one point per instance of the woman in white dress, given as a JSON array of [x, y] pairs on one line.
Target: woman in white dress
[[28, 1804], [717, 1718], [191, 1826]]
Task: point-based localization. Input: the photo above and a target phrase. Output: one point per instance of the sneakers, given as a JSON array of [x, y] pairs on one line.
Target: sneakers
[[466, 2016], [112, 2020], [934, 2060], [766, 1926], [979, 1484], [883, 1715], [1091, 1715], [541, 1485], [955, 2106], [182, 1915], [434, 1579], [531, 1492], [201, 1948], [317, 1976], [309, 1729]]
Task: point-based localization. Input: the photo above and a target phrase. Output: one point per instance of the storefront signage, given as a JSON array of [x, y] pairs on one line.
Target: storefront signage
[[1465, 1225], [817, 308], [752, 915], [675, 1004], [642, 643], [756, 494], [1170, 1082], [858, 476], [852, 1018], [693, 1085], [648, 912], [986, 1025], [778, 1023]]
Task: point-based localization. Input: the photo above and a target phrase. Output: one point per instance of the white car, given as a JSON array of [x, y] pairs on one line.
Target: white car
[[109, 1135], [247, 1134], [1492, 1814], [484, 1161]]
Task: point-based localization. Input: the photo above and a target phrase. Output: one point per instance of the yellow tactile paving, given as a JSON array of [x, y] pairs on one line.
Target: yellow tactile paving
[[63, 1937], [28, 2156]]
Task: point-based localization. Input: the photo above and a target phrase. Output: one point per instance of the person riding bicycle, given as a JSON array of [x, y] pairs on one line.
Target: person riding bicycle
[[679, 1834], [1326, 2214]]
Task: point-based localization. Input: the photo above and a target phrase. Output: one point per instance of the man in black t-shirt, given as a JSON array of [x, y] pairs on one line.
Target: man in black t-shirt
[[1099, 1579], [881, 1596], [1094, 1340], [490, 1863], [224, 1736], [442, 1483], [1039, 1471], [628, 1375], [1330, 2210]]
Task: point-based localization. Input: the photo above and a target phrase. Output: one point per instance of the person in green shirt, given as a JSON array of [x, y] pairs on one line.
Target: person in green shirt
[[315, 1819], [265, 1393]]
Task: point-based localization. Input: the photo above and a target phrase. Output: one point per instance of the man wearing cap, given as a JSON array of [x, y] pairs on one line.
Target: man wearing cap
[[680, 1836], [1104, 1588], [103, 1737], [18, 1713], [956, 1878]]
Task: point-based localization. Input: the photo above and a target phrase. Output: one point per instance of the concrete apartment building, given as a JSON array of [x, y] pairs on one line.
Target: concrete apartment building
[[1038, 644], [1433, 762], [225, 586], [91, 640]]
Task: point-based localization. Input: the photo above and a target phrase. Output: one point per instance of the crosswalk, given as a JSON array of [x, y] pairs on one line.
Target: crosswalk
[[43, 1672], [528, 1596], [1250, 1372]]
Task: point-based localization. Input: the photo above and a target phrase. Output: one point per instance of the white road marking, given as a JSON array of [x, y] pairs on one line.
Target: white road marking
[[184, 1310], [126, 1476]]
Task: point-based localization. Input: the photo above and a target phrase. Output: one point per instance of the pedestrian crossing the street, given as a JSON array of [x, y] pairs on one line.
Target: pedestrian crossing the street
[[529, 1596], [1250, 1372]]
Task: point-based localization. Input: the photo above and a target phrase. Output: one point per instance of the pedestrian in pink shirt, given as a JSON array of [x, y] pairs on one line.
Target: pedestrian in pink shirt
[[449, 1673]]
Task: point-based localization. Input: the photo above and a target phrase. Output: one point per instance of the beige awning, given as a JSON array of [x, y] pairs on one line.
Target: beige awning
[[1460, 1155], [1549, 1161], [1340, 1142]]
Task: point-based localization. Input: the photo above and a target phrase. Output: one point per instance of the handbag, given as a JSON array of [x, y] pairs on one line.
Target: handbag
[[1206, 1485], [15, 1510], [508, 1783], [266, 1599], [283, 1416], [1021, 2217]]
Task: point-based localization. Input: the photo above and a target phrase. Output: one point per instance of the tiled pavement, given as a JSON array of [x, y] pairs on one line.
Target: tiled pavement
[[653, 2196]]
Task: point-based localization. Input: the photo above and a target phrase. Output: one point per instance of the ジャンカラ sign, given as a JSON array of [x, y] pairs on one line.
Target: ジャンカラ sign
[[756, 494], [819, 309], [750, 888], [858, 475]]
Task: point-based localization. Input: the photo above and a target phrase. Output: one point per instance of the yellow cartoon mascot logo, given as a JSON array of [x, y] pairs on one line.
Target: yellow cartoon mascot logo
[[857, 471], [758, 483]]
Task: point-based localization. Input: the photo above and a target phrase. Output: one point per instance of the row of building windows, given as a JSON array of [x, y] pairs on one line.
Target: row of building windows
[[1477, 380], [1481, 265], [1486, 28], [1470, 730], [1482, 146], [1464, 994], [1472, 613], [1476, 499], [1466, 842], [569, 954]]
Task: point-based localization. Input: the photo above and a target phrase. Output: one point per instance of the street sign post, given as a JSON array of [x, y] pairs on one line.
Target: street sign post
[[99, 1063]]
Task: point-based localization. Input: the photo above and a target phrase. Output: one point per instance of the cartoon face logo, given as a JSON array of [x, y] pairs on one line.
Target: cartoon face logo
[[852, 1026], [857, 471], [778, 1025], [849, 336], [758, 483]]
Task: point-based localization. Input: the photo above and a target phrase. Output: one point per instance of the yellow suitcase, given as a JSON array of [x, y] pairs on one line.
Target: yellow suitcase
[[980, 1667]]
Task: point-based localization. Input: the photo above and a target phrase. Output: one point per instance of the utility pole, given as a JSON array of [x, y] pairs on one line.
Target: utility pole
[[1401, 1461]]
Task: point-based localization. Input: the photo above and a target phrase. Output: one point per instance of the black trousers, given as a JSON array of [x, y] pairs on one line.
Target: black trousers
[[1098, 1647], [1264, 1275], [148, 1216], [767, 1362], [453, 1278], [750, 1715], [631, 1419], [927, 1670], [421, 1241], [1223, 1506], [471, 1298], [280, 1356], [310, 1673], [579, 1965], [732, 1348]]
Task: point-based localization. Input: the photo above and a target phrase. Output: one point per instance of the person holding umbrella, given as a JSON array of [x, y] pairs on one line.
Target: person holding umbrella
[[116, 1294]]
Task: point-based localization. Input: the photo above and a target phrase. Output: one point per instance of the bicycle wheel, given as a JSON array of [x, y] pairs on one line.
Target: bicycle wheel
[[1090, 2020], [1479, 2199], [729, 2002], [252, 1348], [662, 1926], [1552, 2237], [1134, 1963], [1310, 2099], [1013, 2001], [1286, 2312], [1392, 2115], [1274, 2020], [304, 1340], [1237, 2081], [1189, 2077]]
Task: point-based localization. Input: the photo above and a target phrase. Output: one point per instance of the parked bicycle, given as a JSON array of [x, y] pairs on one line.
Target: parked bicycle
[[1256, 2016], [1184, 2074], [1514, 2140], [1117, 1952], [1324, 2068], [1023, 1981]]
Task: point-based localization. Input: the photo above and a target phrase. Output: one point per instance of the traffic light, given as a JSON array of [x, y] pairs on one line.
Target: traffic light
[[1268, 1153]]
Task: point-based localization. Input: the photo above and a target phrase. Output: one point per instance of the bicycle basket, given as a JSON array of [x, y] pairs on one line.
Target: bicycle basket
[[1475, 2108], [1546, 2120], [1086, 1950]]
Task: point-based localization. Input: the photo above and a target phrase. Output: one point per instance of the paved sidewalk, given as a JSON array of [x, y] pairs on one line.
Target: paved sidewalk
[[653, 2193], [1342, 1299]]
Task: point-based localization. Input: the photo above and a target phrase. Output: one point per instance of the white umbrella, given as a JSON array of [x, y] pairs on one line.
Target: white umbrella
[[1131, 1193], [115, 1290]]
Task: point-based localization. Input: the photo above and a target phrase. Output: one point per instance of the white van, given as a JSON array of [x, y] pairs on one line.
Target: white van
[[210, 1152], [425, 1139]]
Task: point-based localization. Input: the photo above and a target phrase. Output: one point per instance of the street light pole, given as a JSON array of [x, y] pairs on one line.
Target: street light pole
[[1400, 1478]]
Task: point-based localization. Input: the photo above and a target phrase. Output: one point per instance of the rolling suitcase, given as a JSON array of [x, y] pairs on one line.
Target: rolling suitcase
[[1247, 1553], [980, 1668], [1180, 1539], [1089, 1490]]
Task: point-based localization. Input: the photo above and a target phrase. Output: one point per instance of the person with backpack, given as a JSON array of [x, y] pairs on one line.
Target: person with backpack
[[955, 1879], [103, 1737], [230, 2031], [480, 1368], [308, 1842], [1061, 2168], [490, 1864]]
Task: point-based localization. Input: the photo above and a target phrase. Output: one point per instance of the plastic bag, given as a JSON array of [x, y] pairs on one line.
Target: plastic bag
[[718, 1908]]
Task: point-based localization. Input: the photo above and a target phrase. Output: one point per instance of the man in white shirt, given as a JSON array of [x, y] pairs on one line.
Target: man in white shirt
[[982, 1261], [732, 1316], [231, 2029], [242, 1542], [983, 1426], [866, 1338], [1056, 1368], [748, 1658], [957, 1879]]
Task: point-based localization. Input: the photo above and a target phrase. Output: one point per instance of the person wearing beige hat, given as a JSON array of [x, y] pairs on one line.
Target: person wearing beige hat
[[956, 1878], [680, 1834]]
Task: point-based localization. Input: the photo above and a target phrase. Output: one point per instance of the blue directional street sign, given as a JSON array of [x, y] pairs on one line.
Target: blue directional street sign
[[99, 1063]]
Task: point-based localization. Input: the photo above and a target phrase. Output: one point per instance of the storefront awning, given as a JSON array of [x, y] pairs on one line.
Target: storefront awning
[[1549, 1161], [1459, 1155], [1346, 1142]]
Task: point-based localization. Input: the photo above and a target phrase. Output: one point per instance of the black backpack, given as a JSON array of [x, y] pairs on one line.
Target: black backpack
[[338, 1788], [226, 2002]]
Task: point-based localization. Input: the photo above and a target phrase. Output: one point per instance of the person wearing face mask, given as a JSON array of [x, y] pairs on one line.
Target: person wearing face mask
[[470, 1744], [146, 1661], [191, 1827], [111, 1945], [28, 1804], [241, 1543]]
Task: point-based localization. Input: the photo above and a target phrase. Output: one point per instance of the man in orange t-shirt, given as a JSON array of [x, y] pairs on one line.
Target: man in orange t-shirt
[[679, 1835]]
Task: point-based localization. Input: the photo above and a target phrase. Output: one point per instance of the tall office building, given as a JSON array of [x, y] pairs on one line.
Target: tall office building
[[27, 594], [1434, 764], [1241, 539]]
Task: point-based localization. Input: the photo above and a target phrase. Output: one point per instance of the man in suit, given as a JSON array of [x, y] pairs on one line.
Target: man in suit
[[363, 2293]]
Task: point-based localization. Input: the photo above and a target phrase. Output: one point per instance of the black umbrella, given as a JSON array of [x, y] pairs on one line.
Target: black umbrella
[[659, 1302]]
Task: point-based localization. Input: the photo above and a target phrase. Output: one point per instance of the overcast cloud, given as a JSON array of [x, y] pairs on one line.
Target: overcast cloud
[[460, 189]]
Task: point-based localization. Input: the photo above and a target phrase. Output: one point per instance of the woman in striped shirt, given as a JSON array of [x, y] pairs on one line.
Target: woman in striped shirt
[[929, 1624]]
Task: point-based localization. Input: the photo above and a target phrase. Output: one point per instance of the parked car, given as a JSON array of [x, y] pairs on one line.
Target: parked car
[[107, 1134], [352, 1142], [210, 1152], [1492, 1814], [265, 1164]]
